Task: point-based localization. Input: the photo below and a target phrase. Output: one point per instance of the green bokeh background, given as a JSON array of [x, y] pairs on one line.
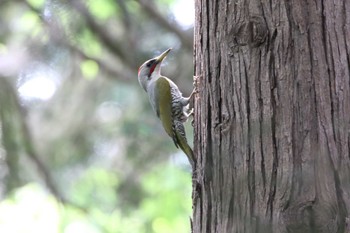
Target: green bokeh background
[[80, 148]]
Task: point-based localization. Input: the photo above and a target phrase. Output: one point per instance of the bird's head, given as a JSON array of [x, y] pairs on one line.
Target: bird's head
[[150, 69]]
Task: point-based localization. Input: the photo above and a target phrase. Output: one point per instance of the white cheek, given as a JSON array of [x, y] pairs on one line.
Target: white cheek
[[155, 74], [156, 71]]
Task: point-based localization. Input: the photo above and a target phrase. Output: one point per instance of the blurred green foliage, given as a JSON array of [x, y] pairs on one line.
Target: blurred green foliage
[[165, 206], [89, 69], [82, 150]]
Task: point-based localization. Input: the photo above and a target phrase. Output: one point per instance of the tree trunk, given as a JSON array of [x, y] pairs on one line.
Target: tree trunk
[[272, 119]]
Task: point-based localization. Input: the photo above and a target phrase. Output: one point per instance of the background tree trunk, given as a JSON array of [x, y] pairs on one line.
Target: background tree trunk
[[272, 116]]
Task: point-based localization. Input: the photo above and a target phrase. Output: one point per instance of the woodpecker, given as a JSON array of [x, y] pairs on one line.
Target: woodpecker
[[167, 102]]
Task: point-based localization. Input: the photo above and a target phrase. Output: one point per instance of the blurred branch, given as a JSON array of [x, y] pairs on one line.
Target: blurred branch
[[125, 13], [106, 39], [9, 139], [150, 9], [110, 70], [125, 57], [10, 106], [44, 171]]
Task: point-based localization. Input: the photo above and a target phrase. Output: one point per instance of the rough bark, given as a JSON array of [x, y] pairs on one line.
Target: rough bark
[[272, 119]]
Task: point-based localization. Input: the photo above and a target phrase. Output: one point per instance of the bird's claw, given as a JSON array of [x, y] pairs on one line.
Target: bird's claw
[[195, 91], [195, 86]]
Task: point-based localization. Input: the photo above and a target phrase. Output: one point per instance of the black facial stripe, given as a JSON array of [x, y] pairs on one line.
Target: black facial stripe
[[150, 63]]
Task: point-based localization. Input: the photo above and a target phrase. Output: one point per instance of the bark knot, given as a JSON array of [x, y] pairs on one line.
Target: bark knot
[[252, 32]]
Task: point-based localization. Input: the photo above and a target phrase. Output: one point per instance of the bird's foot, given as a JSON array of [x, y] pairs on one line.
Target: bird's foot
[[195, 86], [196, 83]]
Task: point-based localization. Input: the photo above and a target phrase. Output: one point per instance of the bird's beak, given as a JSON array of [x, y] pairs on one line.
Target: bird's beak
[[163, 55]]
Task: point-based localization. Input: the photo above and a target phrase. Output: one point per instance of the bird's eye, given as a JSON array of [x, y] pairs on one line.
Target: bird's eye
[[149, 63]]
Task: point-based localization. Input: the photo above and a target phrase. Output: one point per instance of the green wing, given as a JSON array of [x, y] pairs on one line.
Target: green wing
[[163, 104], [174, 129]]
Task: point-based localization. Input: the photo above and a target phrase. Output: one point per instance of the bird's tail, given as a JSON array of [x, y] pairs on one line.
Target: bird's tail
[[189, 152], [182, 143]]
